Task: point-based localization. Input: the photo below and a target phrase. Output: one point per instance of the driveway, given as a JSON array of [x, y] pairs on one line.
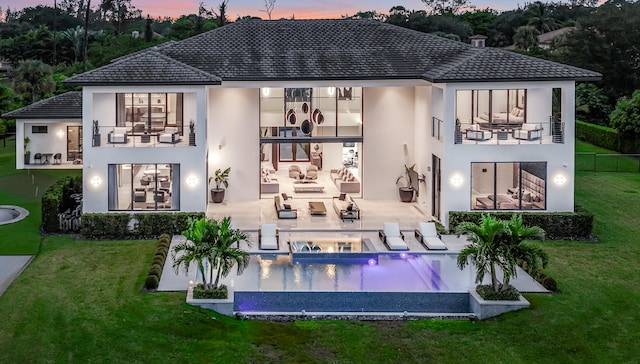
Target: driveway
[[10, 268]]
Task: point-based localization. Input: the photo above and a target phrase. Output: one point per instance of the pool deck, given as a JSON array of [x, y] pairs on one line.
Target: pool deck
[[172, 281]]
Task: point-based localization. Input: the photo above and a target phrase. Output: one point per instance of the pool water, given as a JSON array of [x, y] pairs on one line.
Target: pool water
[[387, 273]]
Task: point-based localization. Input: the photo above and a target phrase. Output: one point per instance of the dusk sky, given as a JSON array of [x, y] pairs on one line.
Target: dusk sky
[[283, 8]]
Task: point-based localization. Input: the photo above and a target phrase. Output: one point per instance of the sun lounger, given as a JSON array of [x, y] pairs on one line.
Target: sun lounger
[[428, 236], [392, 237], [268, 237]]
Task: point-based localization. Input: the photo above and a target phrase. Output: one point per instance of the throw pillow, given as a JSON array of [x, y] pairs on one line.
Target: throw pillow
[[526, 196], [284, 196], [350, 207], [344, 178], [351, 178], [287, 206], [342, 197]]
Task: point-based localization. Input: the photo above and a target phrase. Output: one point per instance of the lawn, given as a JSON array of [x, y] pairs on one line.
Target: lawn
[[23, 188], [81, 301]]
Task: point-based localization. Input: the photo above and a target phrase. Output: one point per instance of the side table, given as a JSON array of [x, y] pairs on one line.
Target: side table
[[145, 138], [503, 134]]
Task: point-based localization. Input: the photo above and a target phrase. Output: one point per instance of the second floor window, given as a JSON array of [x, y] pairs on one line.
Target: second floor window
[[149, 113]]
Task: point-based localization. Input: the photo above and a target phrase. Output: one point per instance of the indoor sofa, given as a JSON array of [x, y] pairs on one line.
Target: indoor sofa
[[284, 209], [345, 181]]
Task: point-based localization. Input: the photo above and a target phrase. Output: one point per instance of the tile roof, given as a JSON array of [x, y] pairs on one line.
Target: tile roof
[[63, 106], [144, 68], [331, 49]]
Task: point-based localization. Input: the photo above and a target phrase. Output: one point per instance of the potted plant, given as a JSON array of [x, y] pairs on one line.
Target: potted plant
[[221, 179], [27, 152], [409, 190]]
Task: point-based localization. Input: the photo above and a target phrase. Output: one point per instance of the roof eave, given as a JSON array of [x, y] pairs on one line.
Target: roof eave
[[147, 83], [536, 79]]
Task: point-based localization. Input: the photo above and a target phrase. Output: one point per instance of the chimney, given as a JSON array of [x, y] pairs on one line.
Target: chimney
[[477, 40]]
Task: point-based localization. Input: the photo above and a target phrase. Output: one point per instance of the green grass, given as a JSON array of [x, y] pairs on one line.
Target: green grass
[[82, 302], [603, 163], [23, 188]]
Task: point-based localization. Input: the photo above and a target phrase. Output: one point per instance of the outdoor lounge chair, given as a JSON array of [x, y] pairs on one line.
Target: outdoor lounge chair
[[428, 236], [268, 237], [392, 237]]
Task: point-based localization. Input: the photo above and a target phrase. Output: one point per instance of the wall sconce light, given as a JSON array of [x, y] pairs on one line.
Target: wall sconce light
[[192, 180], [60, 133], [456, 180], [331, 91], [560, 179], [265, 91], [96, 181]]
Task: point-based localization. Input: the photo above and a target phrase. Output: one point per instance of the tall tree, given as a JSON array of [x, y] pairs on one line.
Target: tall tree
[[446, 6], [76, 37], [526, 38], [119, 13], [34, 77], [268, 7], [540, 16]]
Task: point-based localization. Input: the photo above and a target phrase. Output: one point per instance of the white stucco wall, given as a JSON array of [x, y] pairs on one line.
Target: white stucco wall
[[233, 139], [99, 103], [388, 139], [559, 157], [51, 142]]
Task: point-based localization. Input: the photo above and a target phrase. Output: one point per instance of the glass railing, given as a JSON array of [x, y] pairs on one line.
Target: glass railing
[[551, 132], [110, 136]]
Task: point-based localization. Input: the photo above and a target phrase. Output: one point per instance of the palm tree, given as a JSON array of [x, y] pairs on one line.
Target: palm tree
[[526, 253], [526, 37], [226, 255], [485, 250], [195, 250], [210, 244], [34, 77], [541, 17]]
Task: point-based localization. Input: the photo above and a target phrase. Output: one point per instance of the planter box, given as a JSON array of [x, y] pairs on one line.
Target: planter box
[[222, 306], [484, 309]]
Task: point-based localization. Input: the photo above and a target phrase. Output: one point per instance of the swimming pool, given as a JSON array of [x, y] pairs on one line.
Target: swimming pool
[[392, 283]]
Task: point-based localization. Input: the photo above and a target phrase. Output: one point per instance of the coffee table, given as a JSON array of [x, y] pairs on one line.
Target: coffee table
[[317, 208], [308, 188]]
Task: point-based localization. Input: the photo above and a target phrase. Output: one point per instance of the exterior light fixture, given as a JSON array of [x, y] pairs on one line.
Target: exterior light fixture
[[331, 91], [266, 91], [60, 133], [456, 180], [192, 180], [560, 179], [96, 181]]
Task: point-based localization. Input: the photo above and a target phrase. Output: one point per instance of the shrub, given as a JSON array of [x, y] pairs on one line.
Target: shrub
[[200, 292], [605, 137], [550, 284], [576, 225], [156, 270], [135, 226], [58, 199], [486, 292], [159, 260], [151, 283]]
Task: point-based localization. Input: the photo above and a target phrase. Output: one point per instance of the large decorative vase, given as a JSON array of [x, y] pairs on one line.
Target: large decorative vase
[[96, 140], [217, 195], [406, 194], [27, 158]]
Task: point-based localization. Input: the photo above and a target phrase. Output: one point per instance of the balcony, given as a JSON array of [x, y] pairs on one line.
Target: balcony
[[117, 137], [551, 132]]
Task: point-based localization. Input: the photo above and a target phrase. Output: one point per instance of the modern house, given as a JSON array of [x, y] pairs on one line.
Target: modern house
[[351, 101]]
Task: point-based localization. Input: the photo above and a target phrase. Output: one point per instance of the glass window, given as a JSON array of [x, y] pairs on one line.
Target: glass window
[[508, 186], [144, 187], [149, 112], [318, 112], [486, 107]]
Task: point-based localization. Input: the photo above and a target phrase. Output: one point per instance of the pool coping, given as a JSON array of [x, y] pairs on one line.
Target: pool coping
[[23, 213]]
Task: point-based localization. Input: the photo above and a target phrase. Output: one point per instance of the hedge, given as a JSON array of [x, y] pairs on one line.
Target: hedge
[[135, 226], [58, 199], [155, 272], [605, 137], [557, 225]]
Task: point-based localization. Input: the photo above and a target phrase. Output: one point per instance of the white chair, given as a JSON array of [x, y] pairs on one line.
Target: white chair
[[475, 133], [268, 236], [392, 237], [428, 236], [171, 135], [117, 136], [528, 132]]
